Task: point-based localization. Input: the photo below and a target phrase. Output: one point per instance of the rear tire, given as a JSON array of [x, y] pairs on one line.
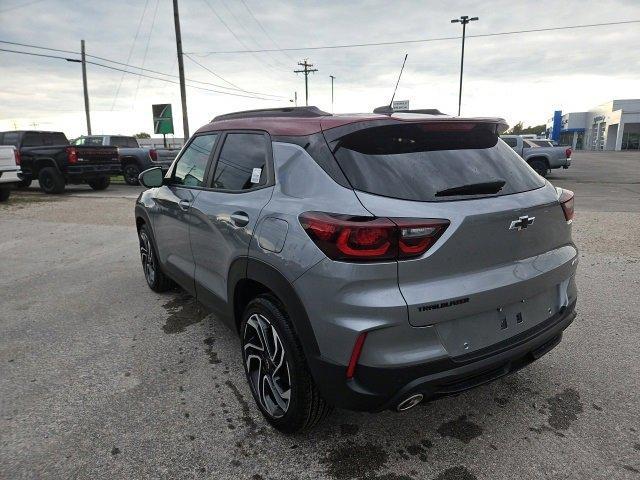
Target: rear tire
[[130, 172], [100, 183], [277, 370], [4, 194], [540, 167], [156, 279], [51, 180]]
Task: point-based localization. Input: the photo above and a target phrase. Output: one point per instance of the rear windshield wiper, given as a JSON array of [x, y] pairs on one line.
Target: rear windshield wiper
[[480, 188]]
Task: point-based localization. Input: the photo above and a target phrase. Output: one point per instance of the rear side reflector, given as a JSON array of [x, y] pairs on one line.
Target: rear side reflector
[[355, 355], [566, 202], [361, 239], [16, 156], [568, 152], [153, 154]]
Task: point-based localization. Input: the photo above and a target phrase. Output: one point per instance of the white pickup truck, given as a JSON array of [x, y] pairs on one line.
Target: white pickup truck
[[540, 158], [9, 171]]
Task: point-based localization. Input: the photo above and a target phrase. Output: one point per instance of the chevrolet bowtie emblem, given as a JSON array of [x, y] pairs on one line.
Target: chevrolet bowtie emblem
[[521, 223]]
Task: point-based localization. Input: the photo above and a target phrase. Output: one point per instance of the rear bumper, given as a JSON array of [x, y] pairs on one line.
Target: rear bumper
[[375, 389], [80, 172]]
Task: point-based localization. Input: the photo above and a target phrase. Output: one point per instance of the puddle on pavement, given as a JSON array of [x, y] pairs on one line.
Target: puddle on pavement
[[183, 311]]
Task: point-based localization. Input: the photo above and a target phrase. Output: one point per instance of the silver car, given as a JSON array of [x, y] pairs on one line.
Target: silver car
[[366, 261]]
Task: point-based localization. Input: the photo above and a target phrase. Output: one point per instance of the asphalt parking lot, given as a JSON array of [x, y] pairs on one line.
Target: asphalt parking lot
[[102, 378]]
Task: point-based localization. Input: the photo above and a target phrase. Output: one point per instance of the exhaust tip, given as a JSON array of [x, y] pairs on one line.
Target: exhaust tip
[[410, 402]]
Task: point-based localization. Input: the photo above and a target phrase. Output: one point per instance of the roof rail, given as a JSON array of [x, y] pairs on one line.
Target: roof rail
[[301, 112], [387, 110]]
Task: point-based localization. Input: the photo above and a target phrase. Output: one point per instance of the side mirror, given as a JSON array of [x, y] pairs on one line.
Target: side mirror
[[151, 177]]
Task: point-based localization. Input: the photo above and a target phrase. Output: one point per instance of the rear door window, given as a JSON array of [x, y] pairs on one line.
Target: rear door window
[[54, 138], [242, 162], [124, 142], [32, 139], [416, 161], [512, 142]]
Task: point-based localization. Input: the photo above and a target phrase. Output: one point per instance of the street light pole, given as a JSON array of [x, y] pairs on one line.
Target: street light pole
[[464, 19], [84, 87]]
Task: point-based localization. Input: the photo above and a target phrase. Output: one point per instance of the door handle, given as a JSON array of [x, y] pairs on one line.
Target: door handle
[[240, 219], [184, 205]]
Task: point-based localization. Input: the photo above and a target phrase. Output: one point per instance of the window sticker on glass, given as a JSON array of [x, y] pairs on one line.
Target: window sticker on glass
[[255, 175]]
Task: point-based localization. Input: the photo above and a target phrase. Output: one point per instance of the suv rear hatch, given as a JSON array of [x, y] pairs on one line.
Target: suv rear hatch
[[504, 264]]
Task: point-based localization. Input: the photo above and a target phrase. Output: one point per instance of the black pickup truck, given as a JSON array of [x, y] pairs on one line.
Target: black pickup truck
[[49, 158]]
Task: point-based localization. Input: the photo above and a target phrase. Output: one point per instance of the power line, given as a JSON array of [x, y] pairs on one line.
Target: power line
[[133, 44], [221, 78], [26, 4], [240, 41], [134, 73], [146, 48], [130, 66], [264, 30], [422, 40]]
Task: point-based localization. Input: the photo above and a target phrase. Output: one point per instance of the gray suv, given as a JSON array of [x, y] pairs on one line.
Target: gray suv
[[367, 261]]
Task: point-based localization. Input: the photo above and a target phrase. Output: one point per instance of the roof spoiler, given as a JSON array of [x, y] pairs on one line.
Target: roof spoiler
[[300, 112]]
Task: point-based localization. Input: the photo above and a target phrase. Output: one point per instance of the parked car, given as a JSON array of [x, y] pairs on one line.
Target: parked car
[[367, 262], [133, 158], [48, 157], [541, 156], [9, 171]]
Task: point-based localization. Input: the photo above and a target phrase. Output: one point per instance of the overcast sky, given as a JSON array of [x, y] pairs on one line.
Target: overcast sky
[[519, 77]]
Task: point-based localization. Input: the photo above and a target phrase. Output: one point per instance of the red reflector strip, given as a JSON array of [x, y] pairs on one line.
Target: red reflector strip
[[355, 355], [567, 203]]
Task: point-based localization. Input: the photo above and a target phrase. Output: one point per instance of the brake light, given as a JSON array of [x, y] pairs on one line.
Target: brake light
[[72, 155], [343, 237], [16, 156], [355, 355], [568, 152], [153, 154], [566, 202]]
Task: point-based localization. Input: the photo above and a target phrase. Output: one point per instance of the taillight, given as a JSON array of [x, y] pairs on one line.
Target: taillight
[[16, 157], [72, 155], [566, 202], [343, 237], [568, 152], [153, 155]]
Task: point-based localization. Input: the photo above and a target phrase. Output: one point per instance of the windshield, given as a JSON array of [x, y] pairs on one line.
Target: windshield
[[416, 161]]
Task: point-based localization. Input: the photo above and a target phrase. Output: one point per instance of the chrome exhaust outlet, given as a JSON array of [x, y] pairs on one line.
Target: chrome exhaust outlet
[[410, 402]]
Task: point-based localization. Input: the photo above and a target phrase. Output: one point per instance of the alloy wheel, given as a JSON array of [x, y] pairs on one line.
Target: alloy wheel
[[147, 258], [266, 365]]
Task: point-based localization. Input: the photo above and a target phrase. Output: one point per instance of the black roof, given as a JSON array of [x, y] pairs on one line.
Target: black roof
[[301, 112]]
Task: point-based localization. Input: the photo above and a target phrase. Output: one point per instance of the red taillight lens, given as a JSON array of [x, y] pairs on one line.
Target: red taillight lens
[[342, 237], [566, 202], [153, 155], [16, 157], [568, 152], [72, 155], [355, 355], [417, 236]]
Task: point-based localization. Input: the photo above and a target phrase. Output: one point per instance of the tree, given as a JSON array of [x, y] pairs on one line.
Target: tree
[[519, 129], [142, 135], [516, 129]]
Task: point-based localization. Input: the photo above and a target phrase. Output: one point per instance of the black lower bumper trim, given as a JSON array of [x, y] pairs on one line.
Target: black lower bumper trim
[[375, 389]]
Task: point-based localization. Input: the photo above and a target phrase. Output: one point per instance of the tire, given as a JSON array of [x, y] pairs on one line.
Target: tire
[[25, 183], [130, 172], [156, 279], [265, 322], [540, 166], [4, 194], [100, 183], [51, 180]]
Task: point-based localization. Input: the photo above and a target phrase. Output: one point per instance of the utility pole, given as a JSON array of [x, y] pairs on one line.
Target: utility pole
[[84, 85], [183, 89], [464, 19], [306, 72], [295, 97], [332, 79]]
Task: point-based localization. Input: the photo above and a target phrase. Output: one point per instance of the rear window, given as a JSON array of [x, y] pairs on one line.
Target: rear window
[[416, 161], [124, 142], [10, 138]]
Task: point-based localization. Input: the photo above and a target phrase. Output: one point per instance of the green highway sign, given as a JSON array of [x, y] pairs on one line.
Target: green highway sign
[[162, 118]]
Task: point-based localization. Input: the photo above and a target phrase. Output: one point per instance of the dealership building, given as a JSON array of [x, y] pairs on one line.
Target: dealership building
[[614, 125]]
